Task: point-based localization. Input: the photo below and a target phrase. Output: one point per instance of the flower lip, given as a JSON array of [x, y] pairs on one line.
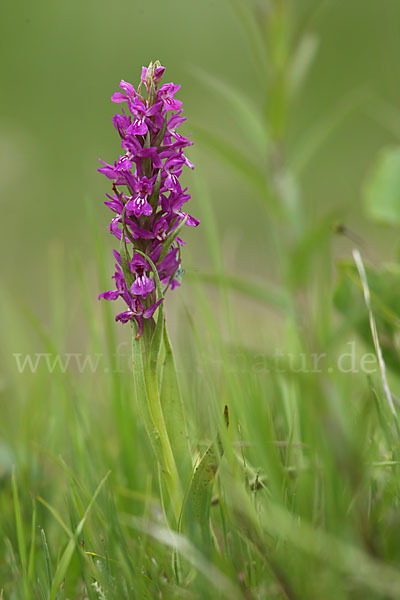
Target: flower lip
[[142, 286], [138, 206]]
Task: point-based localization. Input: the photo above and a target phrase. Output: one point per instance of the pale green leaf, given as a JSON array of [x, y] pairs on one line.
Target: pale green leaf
[[382, 188], [173, 410]]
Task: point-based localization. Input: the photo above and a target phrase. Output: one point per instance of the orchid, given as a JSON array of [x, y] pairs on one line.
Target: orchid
[[146, 201], [147, 197]]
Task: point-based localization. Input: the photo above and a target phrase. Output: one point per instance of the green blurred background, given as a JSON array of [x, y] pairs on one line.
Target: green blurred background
[[63, 60]]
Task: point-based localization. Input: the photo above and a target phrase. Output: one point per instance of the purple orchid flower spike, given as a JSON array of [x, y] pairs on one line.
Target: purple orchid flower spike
[[147, 197]]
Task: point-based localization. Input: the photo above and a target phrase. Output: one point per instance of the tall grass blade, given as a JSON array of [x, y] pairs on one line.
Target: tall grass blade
[[65, 560], [31, 562], [20, 534], [374, 332], [47, 559]]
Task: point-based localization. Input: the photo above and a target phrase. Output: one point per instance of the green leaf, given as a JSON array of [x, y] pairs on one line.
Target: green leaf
[[173, 410], [196, 509], [147, 393], [382, 188], [146, 366], [138, 350]]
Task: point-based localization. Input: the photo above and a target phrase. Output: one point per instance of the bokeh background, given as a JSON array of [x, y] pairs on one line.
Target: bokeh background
[[63, 60]]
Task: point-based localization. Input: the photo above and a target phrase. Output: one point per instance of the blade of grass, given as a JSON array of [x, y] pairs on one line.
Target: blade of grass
[[63, 564], [20, 535], [47, 559], [374, 331], [56, 516], [31, 562], [189, 552]]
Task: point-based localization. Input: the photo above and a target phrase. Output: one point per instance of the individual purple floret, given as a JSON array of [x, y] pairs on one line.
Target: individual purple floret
[[147, 197]]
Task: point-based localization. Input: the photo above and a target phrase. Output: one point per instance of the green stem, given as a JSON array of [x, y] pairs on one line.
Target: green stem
[[147, 393], [169, 468]]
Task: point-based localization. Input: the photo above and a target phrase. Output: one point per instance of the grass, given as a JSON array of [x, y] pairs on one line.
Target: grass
[[305, 501], [303, 506]]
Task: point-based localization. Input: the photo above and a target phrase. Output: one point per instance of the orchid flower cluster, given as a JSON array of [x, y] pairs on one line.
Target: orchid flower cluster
[[147, 196]]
